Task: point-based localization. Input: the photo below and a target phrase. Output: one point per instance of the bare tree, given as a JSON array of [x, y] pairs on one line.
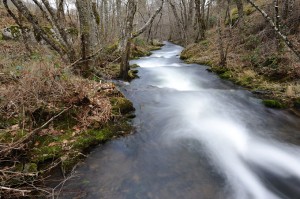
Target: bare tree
[[128, 35], [277, 31]]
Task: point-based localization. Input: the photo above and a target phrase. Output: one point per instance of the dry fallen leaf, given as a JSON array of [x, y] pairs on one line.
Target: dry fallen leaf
[[53, 144]]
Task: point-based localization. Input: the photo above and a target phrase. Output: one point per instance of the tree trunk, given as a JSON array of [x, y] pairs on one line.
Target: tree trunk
[[126, 40], [277, 23], [240, 7], [20, 24], [89, 41], [149, 22], [222, 52]]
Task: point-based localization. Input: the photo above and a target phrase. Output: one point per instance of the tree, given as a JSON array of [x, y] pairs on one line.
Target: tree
[[276, 29], [128, 35], [88, 33], [126, 40]]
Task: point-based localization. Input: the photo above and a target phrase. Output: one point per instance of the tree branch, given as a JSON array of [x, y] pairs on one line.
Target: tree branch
[[276, 29], [149, 22]]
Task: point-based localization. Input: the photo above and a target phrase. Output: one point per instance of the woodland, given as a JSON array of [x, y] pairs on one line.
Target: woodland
[[59, 60]]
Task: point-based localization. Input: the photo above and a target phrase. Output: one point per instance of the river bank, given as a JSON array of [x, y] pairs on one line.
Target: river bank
[[51, 118], [283, 93]]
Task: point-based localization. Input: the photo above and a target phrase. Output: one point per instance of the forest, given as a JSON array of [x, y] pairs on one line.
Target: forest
[[67, 68]]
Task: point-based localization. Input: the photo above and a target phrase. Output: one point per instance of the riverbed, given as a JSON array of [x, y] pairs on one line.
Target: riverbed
[[196, 136]]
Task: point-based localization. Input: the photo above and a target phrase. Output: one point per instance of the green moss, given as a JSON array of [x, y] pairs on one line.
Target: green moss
[[72, 31], [133, 74], [112, 48], [121, 105], [204, 43], [43, 153], [248, 9], [273, 104], [244, 81], [226, 75], [139, 52], [15, 31], [134, 66]]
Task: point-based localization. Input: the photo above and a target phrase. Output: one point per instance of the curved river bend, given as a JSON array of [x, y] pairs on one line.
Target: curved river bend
[[197, 136]]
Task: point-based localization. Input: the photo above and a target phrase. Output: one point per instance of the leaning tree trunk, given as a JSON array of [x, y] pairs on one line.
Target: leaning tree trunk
[[277, 31], [128, 35], [20, 24], [58, 46], [88, 33]]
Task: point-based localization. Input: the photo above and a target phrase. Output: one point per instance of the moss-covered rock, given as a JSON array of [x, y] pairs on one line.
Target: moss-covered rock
[[134, 66], [133, 74], [121, 105], [273, 104]]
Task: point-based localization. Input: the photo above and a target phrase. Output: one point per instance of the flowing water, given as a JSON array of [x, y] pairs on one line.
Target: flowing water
[[197, 136]]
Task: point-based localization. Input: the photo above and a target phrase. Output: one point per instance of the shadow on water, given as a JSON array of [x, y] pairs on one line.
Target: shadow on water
[[197, 136]]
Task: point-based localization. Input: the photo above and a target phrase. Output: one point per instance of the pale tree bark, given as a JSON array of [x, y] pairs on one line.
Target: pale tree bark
[[275, 28], [61, 34], [277, 22]]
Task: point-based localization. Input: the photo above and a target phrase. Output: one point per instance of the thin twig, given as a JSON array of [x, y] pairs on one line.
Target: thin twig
[[82, 59], [15, 190]]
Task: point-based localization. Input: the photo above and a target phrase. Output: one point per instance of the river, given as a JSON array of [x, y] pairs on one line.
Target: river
[[196, 137]]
